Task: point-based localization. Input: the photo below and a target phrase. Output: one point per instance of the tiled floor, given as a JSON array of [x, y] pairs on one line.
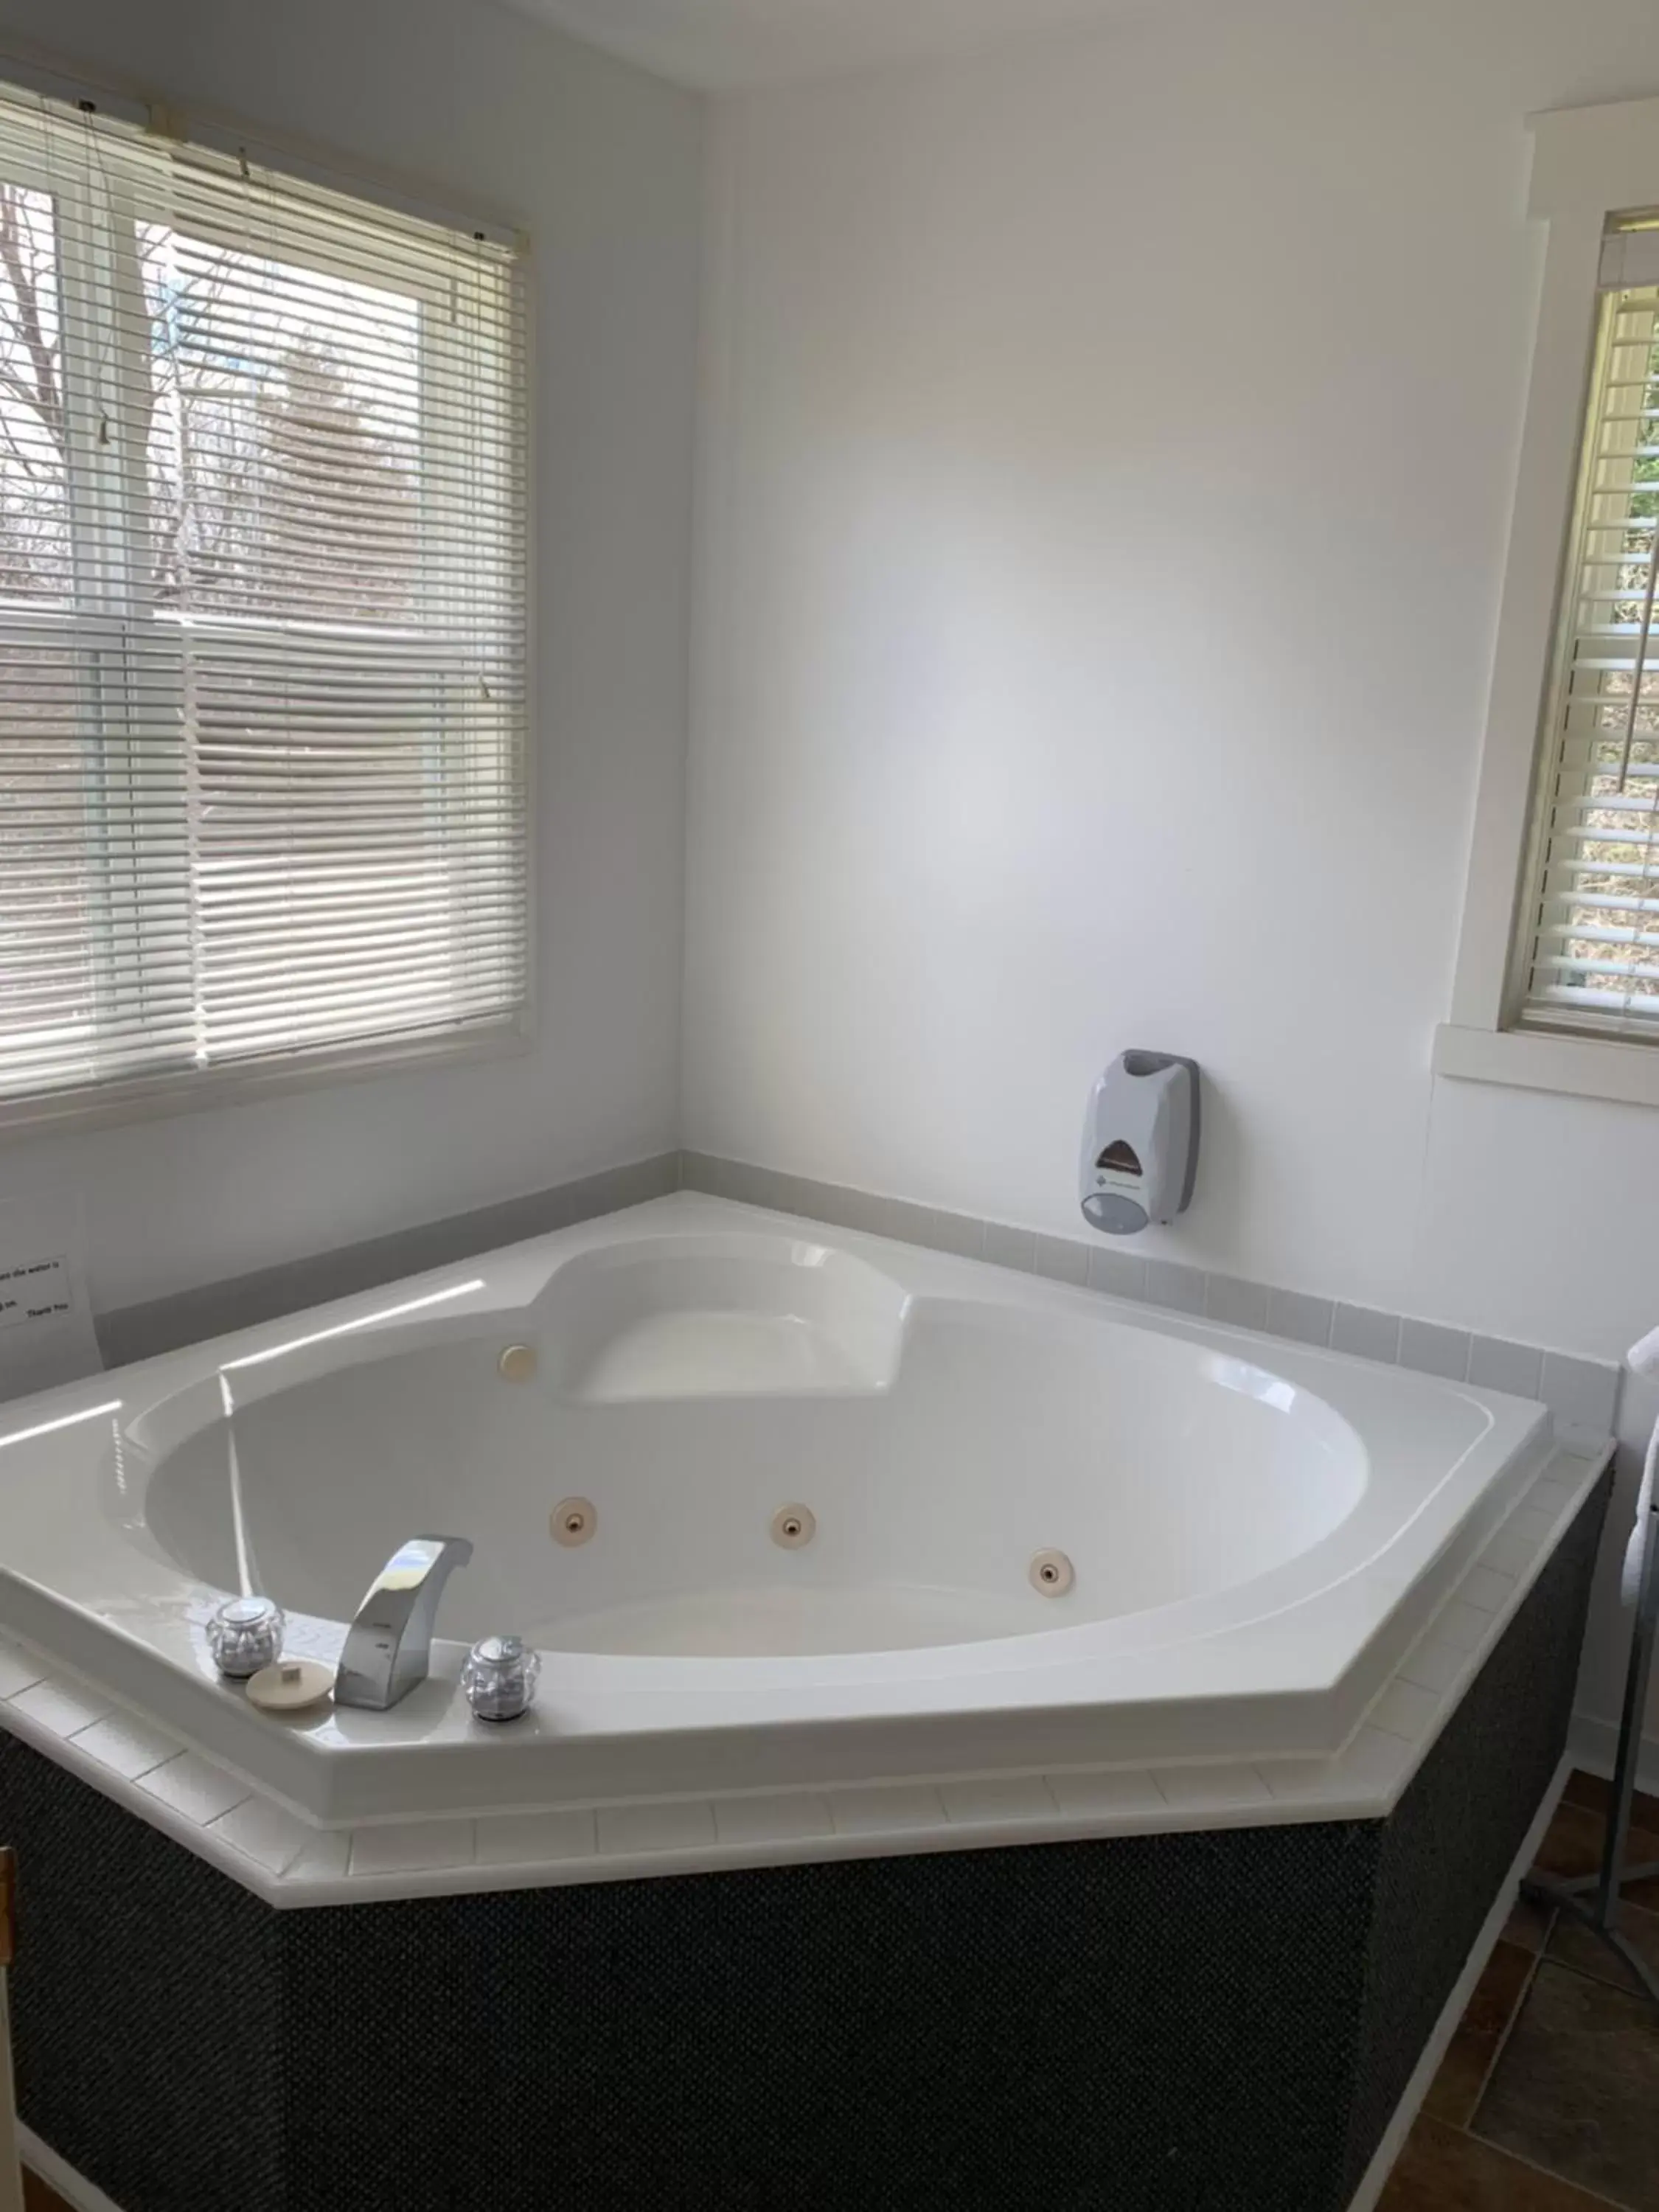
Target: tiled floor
[[1547, 2100], [1548, 2097]]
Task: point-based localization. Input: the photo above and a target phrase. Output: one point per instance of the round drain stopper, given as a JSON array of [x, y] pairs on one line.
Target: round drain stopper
[[794, 1526], [1051, 1574], [574, 1521], [517, 1364], [290, 1685]]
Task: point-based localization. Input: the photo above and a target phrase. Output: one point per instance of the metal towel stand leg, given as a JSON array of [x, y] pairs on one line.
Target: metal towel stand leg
[[1595, 1899], [11, 2172]]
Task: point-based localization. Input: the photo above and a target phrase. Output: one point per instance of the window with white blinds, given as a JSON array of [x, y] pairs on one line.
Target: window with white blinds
[[1589, 956], [263, 775]]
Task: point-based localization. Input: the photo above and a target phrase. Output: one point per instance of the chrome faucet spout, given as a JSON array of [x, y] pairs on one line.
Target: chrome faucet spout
[[388, 1647]]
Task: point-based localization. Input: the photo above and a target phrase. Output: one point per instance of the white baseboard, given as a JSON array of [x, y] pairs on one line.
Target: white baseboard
[[84, 2197], [1406, 2112], [57, 2173], [1594, 1743]]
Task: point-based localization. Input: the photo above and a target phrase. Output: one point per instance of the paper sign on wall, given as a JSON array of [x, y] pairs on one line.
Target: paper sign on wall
[[46, 1335]]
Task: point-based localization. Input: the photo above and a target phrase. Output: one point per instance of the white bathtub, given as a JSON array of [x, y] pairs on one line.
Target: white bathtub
[[1256, 1531]]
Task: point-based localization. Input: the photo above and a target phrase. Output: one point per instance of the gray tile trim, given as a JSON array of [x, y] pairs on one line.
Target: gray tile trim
[[140, 1332], [1239, 1305], [1367, 1333], [1495, 1365], [1304, 1319], [1010, 1247], [1062, 1260], [1432, 1349], [1582, 1392], [908, 1223], [959, 1233], [1170, 1283], [1120, 1275]]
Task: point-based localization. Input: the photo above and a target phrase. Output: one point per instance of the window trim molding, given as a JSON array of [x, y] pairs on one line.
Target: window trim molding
[[1588, 163], [1538, 1059], [148, 1098]]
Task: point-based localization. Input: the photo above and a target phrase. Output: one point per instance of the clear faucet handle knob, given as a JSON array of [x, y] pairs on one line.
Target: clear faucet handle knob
[[245, 1635], [499, 1677]]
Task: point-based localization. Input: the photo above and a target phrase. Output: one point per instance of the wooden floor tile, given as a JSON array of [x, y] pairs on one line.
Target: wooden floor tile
[[1575, 1946], [1592, 1790], [1576, 2089], [1443, 2170], [1573, 1846], [1528, 1925], [1455, 2089], [37, 2197]]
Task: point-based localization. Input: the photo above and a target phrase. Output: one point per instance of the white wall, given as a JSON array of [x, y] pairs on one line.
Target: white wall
[[1108, 450], [602, 166]]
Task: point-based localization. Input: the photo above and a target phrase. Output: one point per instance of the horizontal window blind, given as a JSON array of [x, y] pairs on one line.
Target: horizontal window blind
[[263, 782], [1591, 948]]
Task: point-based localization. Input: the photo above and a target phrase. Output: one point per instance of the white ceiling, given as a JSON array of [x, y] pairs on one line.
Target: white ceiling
[[723, 45]]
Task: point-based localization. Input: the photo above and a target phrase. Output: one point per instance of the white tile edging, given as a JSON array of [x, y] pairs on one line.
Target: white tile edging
[[1451, 2013], [1524, 1542], [289, 1862]]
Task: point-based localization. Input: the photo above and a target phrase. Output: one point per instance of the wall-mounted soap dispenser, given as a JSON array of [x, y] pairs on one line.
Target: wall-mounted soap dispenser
[[1140, 1143]]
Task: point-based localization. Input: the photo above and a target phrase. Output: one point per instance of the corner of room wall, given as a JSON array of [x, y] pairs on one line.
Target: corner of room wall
[[1021, 734]]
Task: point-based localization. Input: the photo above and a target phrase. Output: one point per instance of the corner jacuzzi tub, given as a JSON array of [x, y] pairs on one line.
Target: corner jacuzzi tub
[[1042, 1528]]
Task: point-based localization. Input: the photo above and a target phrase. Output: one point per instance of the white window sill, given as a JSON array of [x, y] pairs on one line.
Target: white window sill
[[1583, 1067], [107, 1105]]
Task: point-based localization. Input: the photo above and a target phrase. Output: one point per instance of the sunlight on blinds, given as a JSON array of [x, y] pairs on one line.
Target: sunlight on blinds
[[1594, 919], [262, 624]]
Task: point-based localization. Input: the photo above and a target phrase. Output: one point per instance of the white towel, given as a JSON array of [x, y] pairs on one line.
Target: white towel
[[1636, 1550], [1644, 1360]]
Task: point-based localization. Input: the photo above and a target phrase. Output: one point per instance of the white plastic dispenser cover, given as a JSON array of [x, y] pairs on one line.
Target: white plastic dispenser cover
[[1139, 1159]]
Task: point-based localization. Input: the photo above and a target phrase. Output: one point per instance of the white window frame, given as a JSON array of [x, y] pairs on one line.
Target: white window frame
[[1588, 163], [307, 1067]]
